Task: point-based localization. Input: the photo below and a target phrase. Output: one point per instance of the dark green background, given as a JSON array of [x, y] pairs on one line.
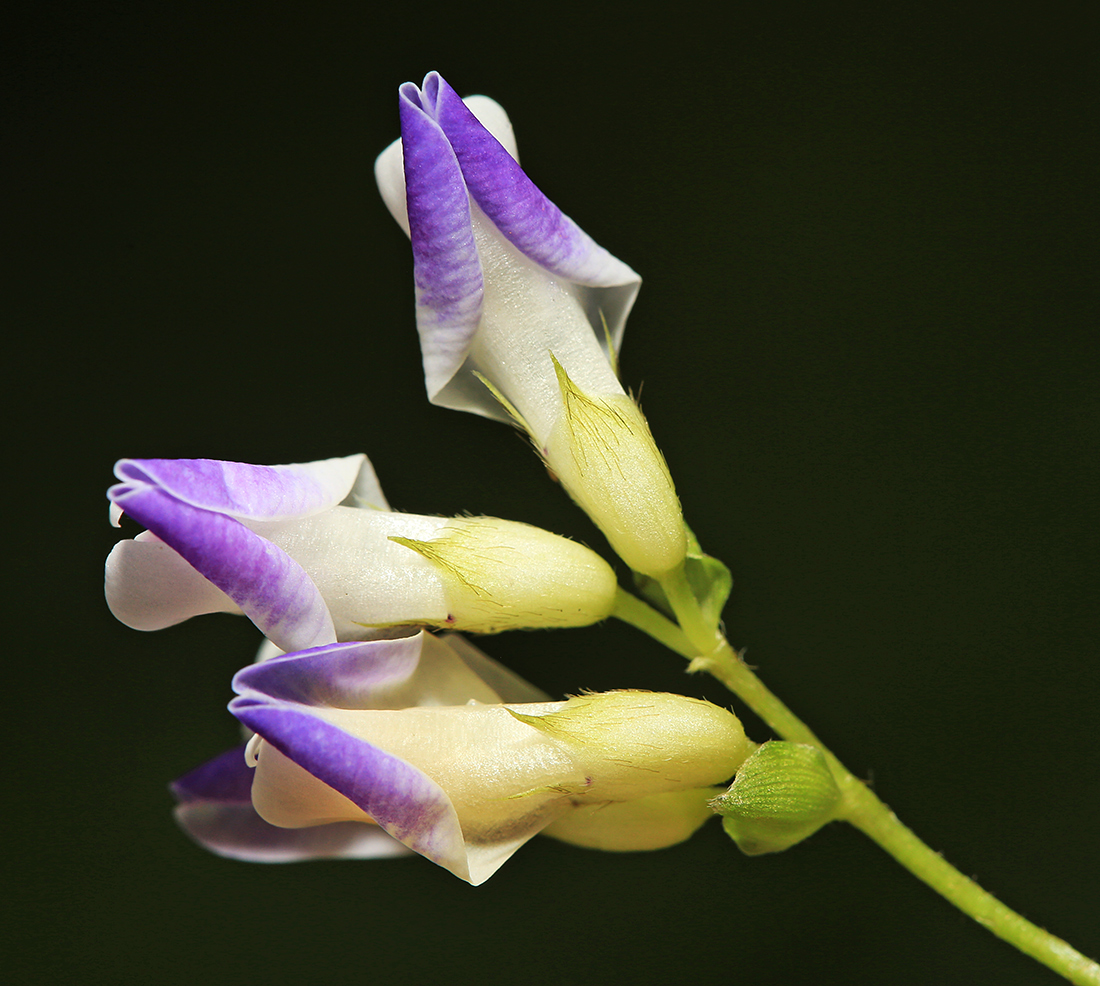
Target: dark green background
[[868, 339]]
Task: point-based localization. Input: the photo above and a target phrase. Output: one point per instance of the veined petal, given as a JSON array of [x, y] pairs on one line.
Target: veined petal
[[446, 269], [366, 579], [271, 588], [441, 680], [464, 785], [389, 171], [400, 798], [540, 284], [350, 675], [526, 217], [492, 116], [419, 670], [215, 809], [249, 492]]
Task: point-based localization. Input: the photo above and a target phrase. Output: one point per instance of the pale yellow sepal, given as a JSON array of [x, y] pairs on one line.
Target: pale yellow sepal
[[502, 575], [646, 742], [602, 451], [654, 822]]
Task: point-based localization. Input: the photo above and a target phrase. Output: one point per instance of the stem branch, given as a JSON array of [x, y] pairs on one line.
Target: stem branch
[[860, 805], [863, 809]]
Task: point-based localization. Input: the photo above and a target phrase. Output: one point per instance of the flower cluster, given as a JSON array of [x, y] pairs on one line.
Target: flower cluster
[[365, 747], [312, 554], [367, 733], [520, 312]]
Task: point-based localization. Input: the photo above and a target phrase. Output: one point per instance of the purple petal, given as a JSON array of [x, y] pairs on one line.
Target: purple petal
[[403, 800], [226, 779], [237, 832], [446, 268], [419, 670], [389, 170], [272, 589], [526, 217], [215, 809], [351, 675], [449, 157], [251, 492]]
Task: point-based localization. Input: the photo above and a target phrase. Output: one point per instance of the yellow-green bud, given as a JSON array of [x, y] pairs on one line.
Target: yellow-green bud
[[602, 451], [783, 793], [651, 822], [500, 575], [647, 742]]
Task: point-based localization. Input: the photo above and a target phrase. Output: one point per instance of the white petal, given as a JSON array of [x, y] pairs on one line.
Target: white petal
[[149, 587], [365, 579]]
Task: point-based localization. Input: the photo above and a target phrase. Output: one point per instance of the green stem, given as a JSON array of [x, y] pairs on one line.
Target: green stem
[[677, 590], [630, 609], [867, 813], [863, 809], [860, 806]]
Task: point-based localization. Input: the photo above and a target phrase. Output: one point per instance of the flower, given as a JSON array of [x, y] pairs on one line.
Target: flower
[[518, 312], [215, 799], [396, 734], [311, 553]]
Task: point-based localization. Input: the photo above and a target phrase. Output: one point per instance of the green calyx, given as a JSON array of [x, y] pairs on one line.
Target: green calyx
[[783, 793]]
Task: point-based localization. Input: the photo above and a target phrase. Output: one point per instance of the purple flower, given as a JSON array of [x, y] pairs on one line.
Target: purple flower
[[312, 554], [519, 312], [409, 738], [496, 261], [215, 800]]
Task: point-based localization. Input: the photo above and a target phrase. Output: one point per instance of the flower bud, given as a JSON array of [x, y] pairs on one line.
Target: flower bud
[[501, 575], [643, 743], [467, 785], [602, 451], [652, 822], [783, 793]]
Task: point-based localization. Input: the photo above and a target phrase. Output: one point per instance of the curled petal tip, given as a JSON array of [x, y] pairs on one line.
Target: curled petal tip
[[479, 226]]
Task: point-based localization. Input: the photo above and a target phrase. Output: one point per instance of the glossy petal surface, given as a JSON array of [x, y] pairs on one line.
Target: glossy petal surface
[[271, 588], [245, 491], [446, 269], [512, 202], [478, 222], [149, 586]]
